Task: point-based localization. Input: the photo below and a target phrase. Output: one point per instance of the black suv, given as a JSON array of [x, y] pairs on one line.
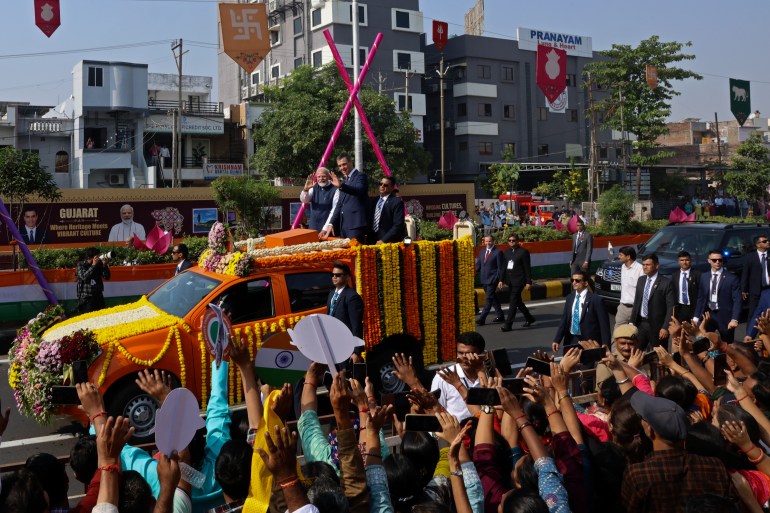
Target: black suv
[[734, 240]]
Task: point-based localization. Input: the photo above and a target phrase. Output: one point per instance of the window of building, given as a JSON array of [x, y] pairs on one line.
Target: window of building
[[275, 71], [361, 56], [572, 115], [542, 114], [462, 110], [275, 37], [95, 77], [571, 80], [603, 152], [509, 112], [401, 102], [507, 72], [308, 290], [298, 26], [404, 60], [460, 73], [485, 110], [298, 62], [542, 150], [484, 71], [317, 59], [509, 148], [315, 17], [462, 146], [255, 78], [485, 148], [402, 19], [361, 14]]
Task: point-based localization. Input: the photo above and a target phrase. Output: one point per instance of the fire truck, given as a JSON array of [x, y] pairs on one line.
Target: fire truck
[[525, 205]]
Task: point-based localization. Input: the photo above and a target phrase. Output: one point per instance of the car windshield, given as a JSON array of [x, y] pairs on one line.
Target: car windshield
[[668, 242], [181, 293]]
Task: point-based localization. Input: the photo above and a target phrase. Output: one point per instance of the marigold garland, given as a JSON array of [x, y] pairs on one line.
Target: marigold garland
[[106, 364], [204, 371], [446, 268], [465, 276], [429, 300]]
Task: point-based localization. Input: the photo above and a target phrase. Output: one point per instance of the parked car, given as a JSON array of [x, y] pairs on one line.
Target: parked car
[[733, 240]]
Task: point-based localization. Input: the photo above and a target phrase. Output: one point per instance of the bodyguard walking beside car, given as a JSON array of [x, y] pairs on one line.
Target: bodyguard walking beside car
[[517, 274], [686, 281], [582, 247], [653, 305], [754, 278], [720, 292], [489, 264]]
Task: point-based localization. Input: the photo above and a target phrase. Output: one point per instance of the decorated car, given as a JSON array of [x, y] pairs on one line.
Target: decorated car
[[422, 288]]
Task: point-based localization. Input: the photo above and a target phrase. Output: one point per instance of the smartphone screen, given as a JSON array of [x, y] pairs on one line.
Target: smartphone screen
[[488, 396], [502, 362], [591, 356], [80, 371], [401, 404], [649, 358], [416, 422], [565, 349], [515, 385], [64, 395], [701, 345], [359, 373], [720, 364], [328, 380], [539, 366]]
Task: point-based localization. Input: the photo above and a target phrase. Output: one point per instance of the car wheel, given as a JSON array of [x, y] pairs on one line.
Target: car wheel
[[138, 407], [379, 362]]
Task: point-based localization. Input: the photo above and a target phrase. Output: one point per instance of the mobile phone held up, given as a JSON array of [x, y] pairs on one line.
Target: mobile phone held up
[[415, 422], [487, 396], [64, 395], [539, 366]]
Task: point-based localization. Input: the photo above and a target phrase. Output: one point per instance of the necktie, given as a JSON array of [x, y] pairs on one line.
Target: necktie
[[378, 213], [646, 297], [486, 256], [764, 269], [335, 297], [575, 328], [31, 235], [714, 279], [685, 297]]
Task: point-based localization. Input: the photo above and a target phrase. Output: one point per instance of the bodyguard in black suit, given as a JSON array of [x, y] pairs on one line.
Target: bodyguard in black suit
[[584, 316], [387, 218], [754, 278], [720, 292], [653, 305], [686, 281], [517, 274], [489, 264], [352, 204], [179, 254], [343, 302]]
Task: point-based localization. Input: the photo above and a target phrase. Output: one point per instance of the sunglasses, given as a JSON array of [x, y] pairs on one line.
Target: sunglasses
[[716, 259], [338, 275], [763, 241], [384, 184], [577, 280], [513, 240]]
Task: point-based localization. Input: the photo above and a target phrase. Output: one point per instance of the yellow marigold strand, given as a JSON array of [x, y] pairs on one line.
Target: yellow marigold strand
[[204, 372], [180, 353], [106, 364]]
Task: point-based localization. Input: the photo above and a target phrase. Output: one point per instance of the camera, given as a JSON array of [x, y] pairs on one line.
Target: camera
[[107, 256]]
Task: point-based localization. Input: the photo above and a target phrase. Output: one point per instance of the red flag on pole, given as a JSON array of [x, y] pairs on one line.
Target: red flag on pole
[[551, 74], [440, 34], [47, 16]]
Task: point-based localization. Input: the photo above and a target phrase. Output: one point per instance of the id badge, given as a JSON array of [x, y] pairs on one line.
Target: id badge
[[714, 298], [510, 264]]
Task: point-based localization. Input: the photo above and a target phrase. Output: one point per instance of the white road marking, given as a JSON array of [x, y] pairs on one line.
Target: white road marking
[[34, 441]]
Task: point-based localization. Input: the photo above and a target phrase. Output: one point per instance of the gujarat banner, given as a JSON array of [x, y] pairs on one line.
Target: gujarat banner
[[244, 33], [47, 16], [551, 72]]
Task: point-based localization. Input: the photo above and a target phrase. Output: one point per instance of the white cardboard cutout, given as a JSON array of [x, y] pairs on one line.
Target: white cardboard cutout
[[324, 339], [177, 421]]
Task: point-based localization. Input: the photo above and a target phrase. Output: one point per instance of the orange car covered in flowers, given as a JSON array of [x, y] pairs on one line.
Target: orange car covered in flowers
[[424, 289]]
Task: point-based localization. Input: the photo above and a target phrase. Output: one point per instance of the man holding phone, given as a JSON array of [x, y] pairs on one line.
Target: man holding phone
[[455, 381], [517, 274]]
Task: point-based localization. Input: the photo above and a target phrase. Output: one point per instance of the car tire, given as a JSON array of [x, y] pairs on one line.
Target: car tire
[[126, 399], [379, 362]]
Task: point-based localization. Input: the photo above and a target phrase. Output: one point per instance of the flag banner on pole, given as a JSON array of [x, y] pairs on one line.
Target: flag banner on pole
[[244, 33], [740, 101], [47, 16], [551, 74], [440, 34]]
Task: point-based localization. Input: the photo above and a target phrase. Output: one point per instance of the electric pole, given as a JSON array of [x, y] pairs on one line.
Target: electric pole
[[593, 186], [358, 150], [176, 180]]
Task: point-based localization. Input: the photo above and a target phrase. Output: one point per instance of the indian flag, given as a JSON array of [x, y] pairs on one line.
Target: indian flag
[[279, 362]]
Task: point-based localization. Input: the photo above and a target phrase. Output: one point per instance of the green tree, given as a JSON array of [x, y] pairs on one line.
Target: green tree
[[502, 175], [249, 199], [300, 117], [555, 188], [22, 177], [616, 209], [752, 170], [643, 110]]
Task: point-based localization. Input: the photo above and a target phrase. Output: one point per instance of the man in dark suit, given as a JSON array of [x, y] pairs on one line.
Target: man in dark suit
[[179, 254], [582, 247], [584, 316], [754, 278], [351, 208], [653, 305], [387, 220], [686, 281], [31, 233], [490, 264], [517, 274], [344, 303], [720, 292]]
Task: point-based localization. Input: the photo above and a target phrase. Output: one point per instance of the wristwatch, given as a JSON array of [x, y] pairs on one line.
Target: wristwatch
[[487, 409]]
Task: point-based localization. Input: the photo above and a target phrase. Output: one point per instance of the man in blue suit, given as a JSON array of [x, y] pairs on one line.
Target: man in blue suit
[[584, 316], [720, 292], [490, 264], [351, 210]]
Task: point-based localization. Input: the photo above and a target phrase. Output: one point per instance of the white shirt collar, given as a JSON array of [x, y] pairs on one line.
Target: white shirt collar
[[385, 198], [760, 253]]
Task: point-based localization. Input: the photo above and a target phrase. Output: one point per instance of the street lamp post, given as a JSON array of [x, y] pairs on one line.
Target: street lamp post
[[441, 74]]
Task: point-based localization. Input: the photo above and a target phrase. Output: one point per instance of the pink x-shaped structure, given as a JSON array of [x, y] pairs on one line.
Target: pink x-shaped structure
[[352, 101]]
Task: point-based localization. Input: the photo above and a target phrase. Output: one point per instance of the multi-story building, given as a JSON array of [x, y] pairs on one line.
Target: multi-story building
[[296, 33], [492, 104]]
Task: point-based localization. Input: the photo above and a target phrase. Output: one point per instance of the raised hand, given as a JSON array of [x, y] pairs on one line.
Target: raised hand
[[542, 356], [763, 322], [155, 382], [664, 357], [315, 373], [636, 358], [510, 404], [449, 374], [559, 377], [737, 435], [534, 391], [358, 393], [405, 370], [589, 344], [423, 400], [111, 439], [571, 359], [239, 352], [450, 426], [378, 416], [91, 400], [281, 455], [285, 402]]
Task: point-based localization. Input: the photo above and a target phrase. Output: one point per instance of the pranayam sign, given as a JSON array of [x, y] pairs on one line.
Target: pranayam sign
[[579, 46]]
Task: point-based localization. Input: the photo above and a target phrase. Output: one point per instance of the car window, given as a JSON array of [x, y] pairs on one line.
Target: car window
[[250, 301], [181, 293], [739, 243], [669, 242], [308, 290]]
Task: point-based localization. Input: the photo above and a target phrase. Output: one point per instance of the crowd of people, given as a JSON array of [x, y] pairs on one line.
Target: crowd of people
[[722, 205]]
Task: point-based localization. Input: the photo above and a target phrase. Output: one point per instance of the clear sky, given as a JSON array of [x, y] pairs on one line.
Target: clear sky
[[729, 39]]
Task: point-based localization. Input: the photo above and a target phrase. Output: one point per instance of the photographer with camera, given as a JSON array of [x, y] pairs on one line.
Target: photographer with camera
[[90, 272]]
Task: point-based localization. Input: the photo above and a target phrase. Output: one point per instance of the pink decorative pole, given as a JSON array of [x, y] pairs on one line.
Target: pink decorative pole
[[357, 103], [341, 122]]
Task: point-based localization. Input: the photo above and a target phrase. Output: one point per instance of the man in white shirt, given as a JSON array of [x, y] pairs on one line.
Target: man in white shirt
[[127, 228], [630, 271], [454, 381]]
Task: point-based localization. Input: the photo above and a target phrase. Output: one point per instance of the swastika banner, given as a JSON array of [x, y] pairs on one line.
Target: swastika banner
[[244, 33]]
